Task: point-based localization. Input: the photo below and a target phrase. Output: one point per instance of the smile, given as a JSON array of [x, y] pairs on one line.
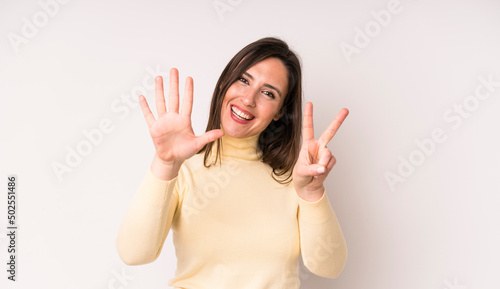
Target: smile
[[240, 114]]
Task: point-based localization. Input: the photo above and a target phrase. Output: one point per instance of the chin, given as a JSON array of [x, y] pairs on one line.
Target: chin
[[236, 133], [233, 131]]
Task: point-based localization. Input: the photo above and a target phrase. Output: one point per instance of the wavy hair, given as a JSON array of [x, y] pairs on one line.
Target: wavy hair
[[280, 141]]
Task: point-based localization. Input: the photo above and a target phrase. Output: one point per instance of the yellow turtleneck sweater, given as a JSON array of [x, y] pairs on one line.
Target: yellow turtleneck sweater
[[233, 225]]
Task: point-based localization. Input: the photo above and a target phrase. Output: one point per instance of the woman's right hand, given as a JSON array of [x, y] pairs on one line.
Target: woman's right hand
[[172, 133]]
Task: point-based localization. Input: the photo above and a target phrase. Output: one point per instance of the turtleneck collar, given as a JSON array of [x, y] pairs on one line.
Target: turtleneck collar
[[241, 148]]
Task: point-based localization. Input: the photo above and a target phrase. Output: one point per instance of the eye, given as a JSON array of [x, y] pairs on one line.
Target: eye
[[242, 79], [270, 94]]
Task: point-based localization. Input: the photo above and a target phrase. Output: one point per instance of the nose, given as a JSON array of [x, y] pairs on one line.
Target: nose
[[248, 98]]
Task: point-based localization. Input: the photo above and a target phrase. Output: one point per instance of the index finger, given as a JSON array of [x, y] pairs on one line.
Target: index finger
[[333, 127], [307, 126]]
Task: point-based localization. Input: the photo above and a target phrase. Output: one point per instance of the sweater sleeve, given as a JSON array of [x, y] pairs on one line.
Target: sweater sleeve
[[322, 244], [148, 220]]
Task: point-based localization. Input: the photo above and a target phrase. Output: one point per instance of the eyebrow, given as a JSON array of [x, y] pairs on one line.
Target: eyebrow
[[266, 84]]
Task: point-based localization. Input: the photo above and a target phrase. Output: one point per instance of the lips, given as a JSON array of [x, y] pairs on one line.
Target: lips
[[240, 114]]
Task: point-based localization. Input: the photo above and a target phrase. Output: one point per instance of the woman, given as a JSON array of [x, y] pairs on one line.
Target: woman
[[244, 199]]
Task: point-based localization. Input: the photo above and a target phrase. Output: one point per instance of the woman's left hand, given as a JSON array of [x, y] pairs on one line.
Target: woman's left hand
[[315, 159]]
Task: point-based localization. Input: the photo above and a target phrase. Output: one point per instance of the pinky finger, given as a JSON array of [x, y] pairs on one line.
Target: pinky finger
[[148, 115]]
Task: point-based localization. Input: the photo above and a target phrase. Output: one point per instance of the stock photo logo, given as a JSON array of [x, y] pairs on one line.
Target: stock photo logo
[[31, 27], [92, 138], [372, 29], [119, 279], [454, 285], [222, 7], [454, 116], [324, 250], [211, 190]]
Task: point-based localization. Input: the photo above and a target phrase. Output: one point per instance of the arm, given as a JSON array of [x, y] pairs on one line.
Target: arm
[[149, 217], [322, 242], [148, 220]]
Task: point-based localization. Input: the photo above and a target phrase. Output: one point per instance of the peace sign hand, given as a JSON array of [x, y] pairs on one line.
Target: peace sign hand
[[172, 133], [315, 159]]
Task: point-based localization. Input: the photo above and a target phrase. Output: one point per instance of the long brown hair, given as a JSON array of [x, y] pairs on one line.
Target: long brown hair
[[280, 141]]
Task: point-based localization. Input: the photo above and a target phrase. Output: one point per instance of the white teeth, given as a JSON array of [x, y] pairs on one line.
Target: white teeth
[[240, 114]]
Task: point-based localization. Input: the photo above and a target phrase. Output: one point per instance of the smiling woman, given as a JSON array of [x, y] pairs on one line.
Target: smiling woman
[[257, 96], [245, 199], [264, 78]]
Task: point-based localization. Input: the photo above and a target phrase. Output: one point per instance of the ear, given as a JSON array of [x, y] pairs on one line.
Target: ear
[[279, 115]]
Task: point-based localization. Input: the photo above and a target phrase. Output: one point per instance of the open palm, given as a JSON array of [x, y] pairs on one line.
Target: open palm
[[172, 132]]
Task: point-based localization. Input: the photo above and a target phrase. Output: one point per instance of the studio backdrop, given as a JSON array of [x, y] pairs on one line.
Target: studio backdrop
[[416, 185]]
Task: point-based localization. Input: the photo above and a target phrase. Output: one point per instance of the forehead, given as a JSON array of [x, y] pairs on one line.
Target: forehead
[[271, 71]]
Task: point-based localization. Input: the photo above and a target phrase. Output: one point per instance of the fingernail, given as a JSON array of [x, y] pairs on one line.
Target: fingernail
[[315, 177], [321, 170]]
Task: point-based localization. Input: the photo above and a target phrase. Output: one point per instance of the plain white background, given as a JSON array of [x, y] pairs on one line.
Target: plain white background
[[436, 227]]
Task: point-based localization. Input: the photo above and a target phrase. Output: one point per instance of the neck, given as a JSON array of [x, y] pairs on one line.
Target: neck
[[241, 148]]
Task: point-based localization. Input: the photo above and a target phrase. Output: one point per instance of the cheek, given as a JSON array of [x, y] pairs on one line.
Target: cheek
[[278, 107], [271, 110], [229, 95], [232, 88]]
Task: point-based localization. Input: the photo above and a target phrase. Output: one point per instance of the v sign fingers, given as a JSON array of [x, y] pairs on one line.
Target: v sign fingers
[[315, 159], [333, 127]]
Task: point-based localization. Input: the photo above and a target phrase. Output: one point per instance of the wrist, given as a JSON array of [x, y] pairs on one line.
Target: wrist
[[311, 195], [165, 170]]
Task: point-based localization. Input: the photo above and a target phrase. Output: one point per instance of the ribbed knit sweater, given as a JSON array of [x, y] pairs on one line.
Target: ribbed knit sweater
[[233, 225]]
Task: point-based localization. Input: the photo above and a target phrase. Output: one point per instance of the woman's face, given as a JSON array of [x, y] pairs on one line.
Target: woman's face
[[255, 99]]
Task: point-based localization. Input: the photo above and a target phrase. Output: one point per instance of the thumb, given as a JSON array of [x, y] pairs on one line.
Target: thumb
[[208, 136]]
